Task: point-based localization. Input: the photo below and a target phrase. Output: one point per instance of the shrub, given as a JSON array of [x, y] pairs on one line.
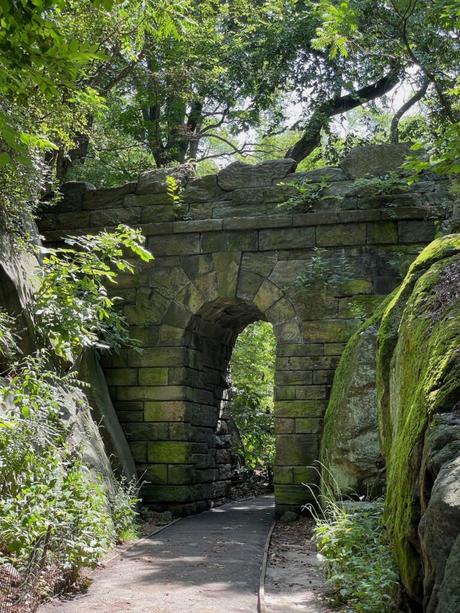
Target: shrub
[[357, 557]]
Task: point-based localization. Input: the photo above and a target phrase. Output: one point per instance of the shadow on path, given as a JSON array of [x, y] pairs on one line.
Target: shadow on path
[[204, 563]]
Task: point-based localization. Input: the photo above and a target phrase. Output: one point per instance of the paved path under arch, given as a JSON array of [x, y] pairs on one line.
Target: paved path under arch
[[205, 563]]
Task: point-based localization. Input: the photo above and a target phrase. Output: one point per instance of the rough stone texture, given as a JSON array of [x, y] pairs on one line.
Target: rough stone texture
[[418, 377], [373, 160], [350, 450], [240, 175], [213, 275]]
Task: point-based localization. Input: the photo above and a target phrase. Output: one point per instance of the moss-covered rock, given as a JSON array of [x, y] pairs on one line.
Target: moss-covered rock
[[350, 452], [418, 376]]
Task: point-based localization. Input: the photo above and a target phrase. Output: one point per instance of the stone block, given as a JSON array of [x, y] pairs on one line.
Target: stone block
[[145, 432], [328, 331], [289, 238], [154, 181], [121, 376], [153, 376], [127, 417], [305, 474], [352, 287], [280, 311], [259, 263], [157, 356], [113, 217], [294, 377], [72, 193], [323, 377], [72, 221], [382, 233], [308, 425], [138, 451], [154, 473], [201, 189], [157, 214], [149, 201], [183, 244], [284, 425], [299, 408], [417, 231], [300, 349], [296, 449], [334, 349], [267, 295], [283, 474], [202, 210], [374, 159], [248, 285], [229, 241], [340, 235], [169, 452], [240, 175], [179, 474], [108, 197], [174, 493], [145, 392]]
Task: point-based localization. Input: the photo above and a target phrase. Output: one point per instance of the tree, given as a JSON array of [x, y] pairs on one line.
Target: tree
[[52, 53], [252, 370]]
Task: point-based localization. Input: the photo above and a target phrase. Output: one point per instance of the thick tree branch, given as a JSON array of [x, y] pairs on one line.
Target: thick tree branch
[[335, 106], [394, 132]]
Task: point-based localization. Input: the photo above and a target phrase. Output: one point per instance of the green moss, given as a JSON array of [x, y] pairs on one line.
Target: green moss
[[418, 363]]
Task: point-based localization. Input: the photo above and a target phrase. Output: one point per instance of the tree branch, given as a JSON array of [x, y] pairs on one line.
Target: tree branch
[[335, 106], [394, 132]]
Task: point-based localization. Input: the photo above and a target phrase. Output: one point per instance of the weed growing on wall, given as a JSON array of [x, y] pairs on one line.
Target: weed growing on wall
[[320, 269], [306, 195], [381, 185]]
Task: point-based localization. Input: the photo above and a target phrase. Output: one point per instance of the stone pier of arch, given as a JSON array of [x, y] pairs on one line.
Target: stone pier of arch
[[227, 256]]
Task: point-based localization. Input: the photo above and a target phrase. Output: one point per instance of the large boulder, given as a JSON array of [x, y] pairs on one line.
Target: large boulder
[[418, 378], [350, 452]]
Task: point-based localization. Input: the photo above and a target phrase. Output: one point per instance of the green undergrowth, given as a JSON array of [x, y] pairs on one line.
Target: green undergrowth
[[357, 558], [57, 513]]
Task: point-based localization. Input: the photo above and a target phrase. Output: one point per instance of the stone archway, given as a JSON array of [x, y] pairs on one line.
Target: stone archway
[[235, 257]]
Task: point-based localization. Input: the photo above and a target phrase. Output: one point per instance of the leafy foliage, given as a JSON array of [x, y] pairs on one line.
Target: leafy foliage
[[307, 193], [252, 369], [357, 556], [322, 270], [73, 309]]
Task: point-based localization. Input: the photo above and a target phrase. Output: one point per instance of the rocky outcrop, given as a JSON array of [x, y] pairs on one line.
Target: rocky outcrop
[[350, 451], [418, 377]]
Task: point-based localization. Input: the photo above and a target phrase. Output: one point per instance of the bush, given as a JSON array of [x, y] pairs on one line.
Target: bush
[[357, 556], [54, 515]]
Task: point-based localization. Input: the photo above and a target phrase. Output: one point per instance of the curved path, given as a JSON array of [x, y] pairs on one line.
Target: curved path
[[206, 563]]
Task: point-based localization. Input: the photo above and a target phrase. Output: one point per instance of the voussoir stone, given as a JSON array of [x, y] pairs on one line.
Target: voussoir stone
[[239, 174]]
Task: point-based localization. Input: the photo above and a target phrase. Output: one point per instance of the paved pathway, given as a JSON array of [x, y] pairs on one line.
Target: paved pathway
[[207, 563]]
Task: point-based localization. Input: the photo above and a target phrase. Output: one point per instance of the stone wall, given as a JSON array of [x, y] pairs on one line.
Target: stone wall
[[227, 256]]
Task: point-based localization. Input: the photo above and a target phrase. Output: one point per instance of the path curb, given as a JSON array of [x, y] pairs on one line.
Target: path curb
[[261, 608]]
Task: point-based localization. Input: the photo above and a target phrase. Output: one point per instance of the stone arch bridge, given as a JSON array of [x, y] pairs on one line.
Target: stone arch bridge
[[230, 254]]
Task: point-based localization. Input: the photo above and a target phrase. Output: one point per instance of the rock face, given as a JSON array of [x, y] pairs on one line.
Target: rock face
[[418, 377], [350, 451]]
